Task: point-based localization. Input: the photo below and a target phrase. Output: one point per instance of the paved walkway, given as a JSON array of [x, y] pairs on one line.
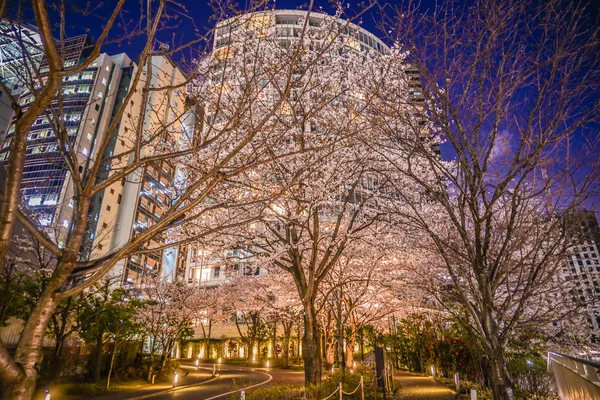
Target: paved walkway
[[188, 375], [417, 387], [199, 384]]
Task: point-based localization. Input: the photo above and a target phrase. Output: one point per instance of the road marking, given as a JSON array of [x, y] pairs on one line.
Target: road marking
[[244, 388]]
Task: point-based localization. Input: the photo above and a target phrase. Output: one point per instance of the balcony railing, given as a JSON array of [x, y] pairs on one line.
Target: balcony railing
[[576, 379]]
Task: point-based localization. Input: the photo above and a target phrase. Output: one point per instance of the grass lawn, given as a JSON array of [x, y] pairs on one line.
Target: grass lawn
[[72, 390]]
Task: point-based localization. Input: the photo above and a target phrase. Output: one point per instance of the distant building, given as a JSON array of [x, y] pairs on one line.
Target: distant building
[[582, 266]]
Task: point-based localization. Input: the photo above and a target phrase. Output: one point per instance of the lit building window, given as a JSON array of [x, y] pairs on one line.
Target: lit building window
[[51, 200], [35, 201]]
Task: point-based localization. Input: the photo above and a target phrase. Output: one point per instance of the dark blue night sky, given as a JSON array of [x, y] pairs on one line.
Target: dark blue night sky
[[196, 21]]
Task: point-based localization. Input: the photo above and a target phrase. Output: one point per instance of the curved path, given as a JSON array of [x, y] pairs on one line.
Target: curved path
[[229, 380], [418, 387]]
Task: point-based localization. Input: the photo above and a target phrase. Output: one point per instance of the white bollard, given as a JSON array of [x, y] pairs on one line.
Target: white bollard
[[196, 363], [473, 394], [243, 395], [214, 369], [175, 378], [47, 391], [457, 381]]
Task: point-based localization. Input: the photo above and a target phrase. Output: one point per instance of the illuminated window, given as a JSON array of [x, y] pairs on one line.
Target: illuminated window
[[35, 201]]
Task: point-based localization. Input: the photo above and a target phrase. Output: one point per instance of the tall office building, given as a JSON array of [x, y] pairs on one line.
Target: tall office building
[[45, 185], [20, 57], [90, 100], [129, 207]]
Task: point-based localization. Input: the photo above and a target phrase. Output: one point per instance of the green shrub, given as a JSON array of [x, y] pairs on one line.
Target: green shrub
[[328, 386]]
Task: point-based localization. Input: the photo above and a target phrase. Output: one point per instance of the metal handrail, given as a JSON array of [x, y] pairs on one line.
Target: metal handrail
[[580, 360]]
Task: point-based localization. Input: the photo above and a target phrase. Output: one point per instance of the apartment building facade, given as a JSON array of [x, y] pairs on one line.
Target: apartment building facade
[[582, 267], [204, 266]]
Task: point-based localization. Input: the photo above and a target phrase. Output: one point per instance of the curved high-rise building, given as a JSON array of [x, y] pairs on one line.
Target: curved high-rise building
[[277, 27], [287, 25]]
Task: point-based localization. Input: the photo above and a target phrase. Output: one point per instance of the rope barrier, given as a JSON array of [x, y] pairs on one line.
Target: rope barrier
[[372, 383], [331, 395], [355, 390]]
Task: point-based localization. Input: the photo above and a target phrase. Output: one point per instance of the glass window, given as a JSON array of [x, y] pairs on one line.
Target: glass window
[[35, 200]]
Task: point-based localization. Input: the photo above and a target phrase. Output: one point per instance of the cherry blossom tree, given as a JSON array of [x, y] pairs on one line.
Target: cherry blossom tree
[[509, 91], [165, 317], [209, 305], [217, 132]]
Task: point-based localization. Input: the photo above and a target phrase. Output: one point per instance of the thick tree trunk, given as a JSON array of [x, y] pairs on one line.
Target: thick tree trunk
[[329, 341], [350, 341], [501, 381], [287, 333], [502, 387], [311, 350], [274, 344], [29, 354], [151, 365]]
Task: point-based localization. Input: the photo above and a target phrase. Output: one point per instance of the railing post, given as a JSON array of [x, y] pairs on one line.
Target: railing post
[[362, 388], [340, 389]]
